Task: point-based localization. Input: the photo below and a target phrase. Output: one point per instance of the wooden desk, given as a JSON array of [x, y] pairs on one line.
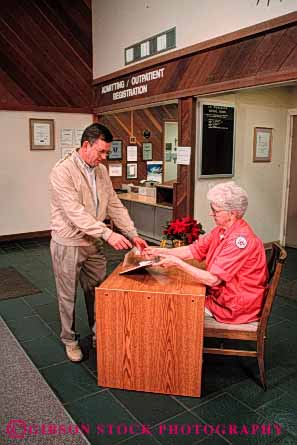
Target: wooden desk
[[150, 331]]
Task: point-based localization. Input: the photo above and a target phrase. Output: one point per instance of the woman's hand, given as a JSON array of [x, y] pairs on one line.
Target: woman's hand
[[139, 243], [154, 251], [168, 261]]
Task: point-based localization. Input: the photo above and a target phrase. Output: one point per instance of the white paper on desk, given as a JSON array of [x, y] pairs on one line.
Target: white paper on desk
[[183, 155], [115, 169], [146, 263]]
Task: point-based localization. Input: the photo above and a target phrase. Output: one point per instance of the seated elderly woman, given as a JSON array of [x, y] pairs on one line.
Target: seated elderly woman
[[236, 271]]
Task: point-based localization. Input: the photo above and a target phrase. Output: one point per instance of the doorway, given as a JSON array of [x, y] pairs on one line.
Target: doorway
[[170, 132], [291, 226]]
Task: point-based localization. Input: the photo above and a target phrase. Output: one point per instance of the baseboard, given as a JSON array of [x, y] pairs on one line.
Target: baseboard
[[292, 245], [28, 235]]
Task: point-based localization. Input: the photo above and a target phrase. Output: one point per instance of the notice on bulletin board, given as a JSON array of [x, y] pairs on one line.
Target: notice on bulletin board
[[77, 137], [71, 137], [66, 137], [183, 155], [65, 151]]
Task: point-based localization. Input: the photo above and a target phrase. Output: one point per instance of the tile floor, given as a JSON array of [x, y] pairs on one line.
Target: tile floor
[[230, 394]]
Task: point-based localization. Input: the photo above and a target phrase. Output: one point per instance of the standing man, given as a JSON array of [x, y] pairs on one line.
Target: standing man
[[82, 196]]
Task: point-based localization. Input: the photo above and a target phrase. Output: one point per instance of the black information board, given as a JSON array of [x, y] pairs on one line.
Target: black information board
[[217, 140]]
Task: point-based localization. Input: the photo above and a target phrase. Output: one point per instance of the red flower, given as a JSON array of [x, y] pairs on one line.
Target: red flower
[[185, 229]]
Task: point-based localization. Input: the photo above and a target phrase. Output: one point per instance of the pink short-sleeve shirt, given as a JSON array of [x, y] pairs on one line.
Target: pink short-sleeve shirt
[[237, 257]]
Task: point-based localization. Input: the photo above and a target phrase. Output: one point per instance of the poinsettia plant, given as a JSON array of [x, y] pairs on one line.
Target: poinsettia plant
[[184, 229]]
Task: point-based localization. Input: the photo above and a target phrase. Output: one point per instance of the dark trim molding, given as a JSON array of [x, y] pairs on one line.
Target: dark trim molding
[[28, 235]]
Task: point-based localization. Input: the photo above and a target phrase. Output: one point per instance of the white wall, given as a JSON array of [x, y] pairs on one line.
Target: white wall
[[263, 181], [118, 24], [24, 174]]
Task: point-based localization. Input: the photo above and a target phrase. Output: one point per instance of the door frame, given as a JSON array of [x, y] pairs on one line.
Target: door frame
[[287, 171]]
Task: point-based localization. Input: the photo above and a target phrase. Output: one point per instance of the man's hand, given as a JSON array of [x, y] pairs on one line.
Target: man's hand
[[118, 241], [139, 243]]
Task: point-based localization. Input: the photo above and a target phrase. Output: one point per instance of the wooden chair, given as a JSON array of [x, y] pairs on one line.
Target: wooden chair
[[256, 331]]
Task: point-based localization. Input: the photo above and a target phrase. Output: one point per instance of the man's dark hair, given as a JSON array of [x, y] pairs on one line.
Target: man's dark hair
[[94, 132]]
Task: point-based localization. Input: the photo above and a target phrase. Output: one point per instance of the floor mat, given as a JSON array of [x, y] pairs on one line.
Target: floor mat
[[29, 408], [13, 284]]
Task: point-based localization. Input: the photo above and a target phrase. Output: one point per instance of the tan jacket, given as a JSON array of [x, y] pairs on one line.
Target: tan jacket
[[73, 213]]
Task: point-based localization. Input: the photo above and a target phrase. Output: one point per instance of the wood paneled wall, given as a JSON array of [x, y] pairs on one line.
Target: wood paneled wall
[[185, 186], [46, 55], [261, 54], [264, 58], [152, 119]]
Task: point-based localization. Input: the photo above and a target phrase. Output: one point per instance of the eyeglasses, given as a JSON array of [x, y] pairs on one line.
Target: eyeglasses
[[100, 150], [215, 212]]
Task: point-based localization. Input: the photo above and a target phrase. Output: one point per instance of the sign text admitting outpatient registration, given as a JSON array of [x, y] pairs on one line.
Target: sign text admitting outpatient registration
[[133, 86]]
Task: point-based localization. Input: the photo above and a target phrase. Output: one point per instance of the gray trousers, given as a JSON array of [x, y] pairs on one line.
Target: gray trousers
[[71, 264]]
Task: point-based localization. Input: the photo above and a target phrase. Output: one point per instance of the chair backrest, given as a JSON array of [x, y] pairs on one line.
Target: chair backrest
[[275, 264]]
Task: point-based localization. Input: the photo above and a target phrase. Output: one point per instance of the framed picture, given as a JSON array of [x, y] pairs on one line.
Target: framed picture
[[131, 171], [147, 151], [132, 153], [116, 150], [42, 134], [154, 171], [115, 169], [262, 144]]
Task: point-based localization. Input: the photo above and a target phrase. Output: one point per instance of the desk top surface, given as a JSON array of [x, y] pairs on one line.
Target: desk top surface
[[154, 279]]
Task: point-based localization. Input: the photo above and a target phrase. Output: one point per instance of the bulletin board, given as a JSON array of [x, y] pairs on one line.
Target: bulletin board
[[216, 154]]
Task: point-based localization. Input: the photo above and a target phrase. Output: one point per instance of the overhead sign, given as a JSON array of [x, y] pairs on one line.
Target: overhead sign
[[134, 85]]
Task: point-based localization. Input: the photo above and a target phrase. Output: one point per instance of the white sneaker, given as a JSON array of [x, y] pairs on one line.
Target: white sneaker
[[74, 353]]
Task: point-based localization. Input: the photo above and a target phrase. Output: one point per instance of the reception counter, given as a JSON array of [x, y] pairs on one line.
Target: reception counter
[[136, 197], [149, 217]]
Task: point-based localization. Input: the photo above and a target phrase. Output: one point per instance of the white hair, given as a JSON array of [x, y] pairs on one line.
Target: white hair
[[229, 196]]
